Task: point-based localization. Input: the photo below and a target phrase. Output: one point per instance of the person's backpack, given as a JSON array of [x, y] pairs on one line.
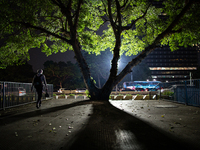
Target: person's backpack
[[37, 81]]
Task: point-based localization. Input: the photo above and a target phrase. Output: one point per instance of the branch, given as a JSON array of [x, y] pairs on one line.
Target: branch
[[123, 6], [28, 25], [55, 2], [118, 14], [68, 14], [105, 7], [175, 22], [77, 14], [110, 16], [66, 11], [134, 21], [176, 31]]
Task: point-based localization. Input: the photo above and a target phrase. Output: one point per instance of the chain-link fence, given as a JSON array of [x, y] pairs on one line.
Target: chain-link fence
[[186, 92], [15, 94]]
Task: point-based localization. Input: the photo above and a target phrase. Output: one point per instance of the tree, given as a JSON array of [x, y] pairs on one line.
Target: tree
[[130, 26], [61, 73], [16, 73]]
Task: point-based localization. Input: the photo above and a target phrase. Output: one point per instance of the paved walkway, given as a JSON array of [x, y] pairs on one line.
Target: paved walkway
[[88, 125]]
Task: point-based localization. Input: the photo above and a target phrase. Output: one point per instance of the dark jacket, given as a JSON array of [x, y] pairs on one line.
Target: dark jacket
[[43, 79]]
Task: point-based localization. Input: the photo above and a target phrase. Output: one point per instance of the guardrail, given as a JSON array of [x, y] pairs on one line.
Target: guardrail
[[15, 94], [186, 92]]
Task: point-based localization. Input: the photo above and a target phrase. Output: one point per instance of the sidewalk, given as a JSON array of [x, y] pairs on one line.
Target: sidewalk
[[87, 125]]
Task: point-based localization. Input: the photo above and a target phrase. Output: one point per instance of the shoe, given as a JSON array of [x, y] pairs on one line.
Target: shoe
[[37, 106]]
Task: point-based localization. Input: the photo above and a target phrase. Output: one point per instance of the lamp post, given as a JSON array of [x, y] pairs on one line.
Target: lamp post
[[132, 74]]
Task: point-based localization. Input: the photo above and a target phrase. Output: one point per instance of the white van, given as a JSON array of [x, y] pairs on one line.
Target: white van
[[16, 91]]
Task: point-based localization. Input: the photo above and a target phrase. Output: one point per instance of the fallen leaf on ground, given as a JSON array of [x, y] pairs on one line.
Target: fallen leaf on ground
[[16, 134]]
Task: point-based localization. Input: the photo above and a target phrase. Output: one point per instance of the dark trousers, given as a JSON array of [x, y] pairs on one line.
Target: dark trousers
[[39, 92]]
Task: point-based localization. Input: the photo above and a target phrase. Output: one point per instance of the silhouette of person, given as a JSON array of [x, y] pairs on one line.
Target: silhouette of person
[[38, 81]]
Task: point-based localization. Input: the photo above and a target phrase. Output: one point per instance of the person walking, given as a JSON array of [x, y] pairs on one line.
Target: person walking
[[38, 81]]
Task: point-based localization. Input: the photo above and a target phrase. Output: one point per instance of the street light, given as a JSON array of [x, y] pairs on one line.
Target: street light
[[132, 74]]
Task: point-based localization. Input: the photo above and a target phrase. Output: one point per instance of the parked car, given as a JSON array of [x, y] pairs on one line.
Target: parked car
[[16, 91], [65, 90], [170, 88], [61, 90], [80, 90]]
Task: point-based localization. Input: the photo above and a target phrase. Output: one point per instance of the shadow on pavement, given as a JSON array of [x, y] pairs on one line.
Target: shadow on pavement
[[113, 129], [37, 112]]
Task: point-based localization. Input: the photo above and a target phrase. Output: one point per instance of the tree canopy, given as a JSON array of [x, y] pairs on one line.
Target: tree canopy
[[121, 26]]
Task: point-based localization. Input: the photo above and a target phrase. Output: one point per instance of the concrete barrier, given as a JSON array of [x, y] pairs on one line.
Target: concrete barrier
[[118, 97], [128, 97], [139, 97]]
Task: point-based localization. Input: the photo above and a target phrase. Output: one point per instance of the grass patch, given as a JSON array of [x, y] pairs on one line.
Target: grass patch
[[168, 93]]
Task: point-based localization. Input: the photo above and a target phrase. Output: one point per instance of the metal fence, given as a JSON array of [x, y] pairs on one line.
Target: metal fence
[[15, 94], [186, 92]]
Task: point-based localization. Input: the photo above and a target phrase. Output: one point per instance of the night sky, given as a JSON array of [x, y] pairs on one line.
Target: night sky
[[37, 58]]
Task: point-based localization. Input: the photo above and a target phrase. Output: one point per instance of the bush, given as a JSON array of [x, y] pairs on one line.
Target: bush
[[87, 93], [168, 93], [54, 94], [71, 94]]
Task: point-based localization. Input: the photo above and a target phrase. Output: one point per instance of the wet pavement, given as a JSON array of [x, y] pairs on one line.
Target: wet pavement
[[71, 124]]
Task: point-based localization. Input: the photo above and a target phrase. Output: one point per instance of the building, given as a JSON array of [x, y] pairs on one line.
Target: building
[[169, 66]]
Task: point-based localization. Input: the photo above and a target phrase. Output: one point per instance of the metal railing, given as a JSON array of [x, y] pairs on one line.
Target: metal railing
[[186, 92], [14, 94]]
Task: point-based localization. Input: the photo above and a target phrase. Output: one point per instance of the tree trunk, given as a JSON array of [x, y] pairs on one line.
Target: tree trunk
[[101, 94], [99, 81], [60, 84], [95, 92]]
